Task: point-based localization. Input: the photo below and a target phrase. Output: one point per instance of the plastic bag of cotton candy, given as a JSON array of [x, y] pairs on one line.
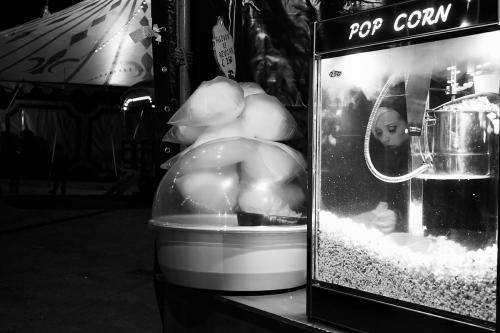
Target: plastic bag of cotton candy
[[214, 102], [222, 108], [232, 175]]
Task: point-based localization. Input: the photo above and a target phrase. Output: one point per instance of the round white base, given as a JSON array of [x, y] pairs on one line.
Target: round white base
[[233, 258]]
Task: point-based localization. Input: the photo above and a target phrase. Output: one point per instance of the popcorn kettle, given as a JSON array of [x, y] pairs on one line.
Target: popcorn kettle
[[456, 140]]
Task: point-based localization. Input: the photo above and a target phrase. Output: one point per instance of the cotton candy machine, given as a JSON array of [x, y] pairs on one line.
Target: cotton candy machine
[[230, 211], [229, 216]]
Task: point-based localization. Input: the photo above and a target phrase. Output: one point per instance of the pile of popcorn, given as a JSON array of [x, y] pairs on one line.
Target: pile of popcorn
[[430, 271]]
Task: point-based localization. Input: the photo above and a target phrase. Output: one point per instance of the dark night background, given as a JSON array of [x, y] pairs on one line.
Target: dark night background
[[17, 12], [75, 263]]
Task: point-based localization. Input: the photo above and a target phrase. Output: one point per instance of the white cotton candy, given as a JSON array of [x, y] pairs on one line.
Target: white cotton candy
[[211, 190], [295, 154], [270, 162], [251, 88], [293, 195], [214, 102], [183, 134], [216, 153], [265, 198], [230, 130], [266, 118]]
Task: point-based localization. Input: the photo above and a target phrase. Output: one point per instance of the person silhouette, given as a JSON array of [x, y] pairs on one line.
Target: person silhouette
[[59, 170], [11, 153]]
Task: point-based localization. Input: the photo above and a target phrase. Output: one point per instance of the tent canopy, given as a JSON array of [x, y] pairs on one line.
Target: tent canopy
[[96, 42]]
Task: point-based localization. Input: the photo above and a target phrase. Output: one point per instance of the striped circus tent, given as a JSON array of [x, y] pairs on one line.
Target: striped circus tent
[[96, 42]]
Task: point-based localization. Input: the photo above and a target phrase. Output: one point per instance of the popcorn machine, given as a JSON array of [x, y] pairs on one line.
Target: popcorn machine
[[404, 168]]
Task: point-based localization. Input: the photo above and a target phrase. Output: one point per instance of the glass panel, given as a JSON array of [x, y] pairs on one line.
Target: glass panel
[[410, 217]]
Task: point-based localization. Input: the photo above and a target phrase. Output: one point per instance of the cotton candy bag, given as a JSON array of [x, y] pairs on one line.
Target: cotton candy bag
[[234, 128], [266, 118], [251, 88], [214, 102], [184, 135]]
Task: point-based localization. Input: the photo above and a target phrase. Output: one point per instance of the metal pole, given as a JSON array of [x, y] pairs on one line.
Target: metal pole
[[52, 156], [18, 88], [114, 156], [184, 44], [138, 123], [6, 119]]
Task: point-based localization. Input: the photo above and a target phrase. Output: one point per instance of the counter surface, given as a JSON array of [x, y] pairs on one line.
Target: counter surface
[[192, 310], [289, 307]]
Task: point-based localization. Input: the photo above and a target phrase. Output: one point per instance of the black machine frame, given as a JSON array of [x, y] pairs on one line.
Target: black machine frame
[[349, 308]]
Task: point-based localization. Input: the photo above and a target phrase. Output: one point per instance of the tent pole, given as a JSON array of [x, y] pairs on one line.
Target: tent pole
[[18, 88], [114, 156], [137, 126], [6, 120], [184, 44], [52, 156]]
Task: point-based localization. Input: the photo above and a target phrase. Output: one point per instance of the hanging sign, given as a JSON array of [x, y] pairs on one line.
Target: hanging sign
[[223, 46]]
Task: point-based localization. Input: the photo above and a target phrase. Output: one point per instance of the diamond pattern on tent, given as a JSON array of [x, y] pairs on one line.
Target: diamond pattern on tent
[[20, 36], [78, 37], [144, 22], [116, 4], [137, 35], [98, 20], [146, 42]]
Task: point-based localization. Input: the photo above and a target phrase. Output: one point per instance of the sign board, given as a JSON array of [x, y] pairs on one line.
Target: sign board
[[223, 46], [405, 20]]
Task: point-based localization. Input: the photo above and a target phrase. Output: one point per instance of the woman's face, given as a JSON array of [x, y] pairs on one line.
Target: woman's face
[[390, 128]]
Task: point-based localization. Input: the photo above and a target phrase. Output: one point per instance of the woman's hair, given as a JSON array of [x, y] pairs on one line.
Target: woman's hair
[[396, 99]]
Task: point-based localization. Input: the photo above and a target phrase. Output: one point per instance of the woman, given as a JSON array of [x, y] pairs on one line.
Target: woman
[[390, 155], [389, 128]]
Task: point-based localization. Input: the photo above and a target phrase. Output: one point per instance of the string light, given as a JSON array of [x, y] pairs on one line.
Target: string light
[[120, 68], [137, 99], [122, 29]]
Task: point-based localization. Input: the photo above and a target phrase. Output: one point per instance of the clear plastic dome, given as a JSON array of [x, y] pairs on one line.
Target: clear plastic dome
[[233, 182], [231, 215]]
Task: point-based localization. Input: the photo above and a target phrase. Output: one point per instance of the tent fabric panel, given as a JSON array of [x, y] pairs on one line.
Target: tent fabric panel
[[98, 42]]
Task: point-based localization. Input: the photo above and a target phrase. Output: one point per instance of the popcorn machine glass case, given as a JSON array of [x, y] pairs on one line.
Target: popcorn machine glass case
[[404, 168]]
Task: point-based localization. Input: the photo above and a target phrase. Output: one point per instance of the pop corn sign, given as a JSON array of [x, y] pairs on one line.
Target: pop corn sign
[[419, 17]]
